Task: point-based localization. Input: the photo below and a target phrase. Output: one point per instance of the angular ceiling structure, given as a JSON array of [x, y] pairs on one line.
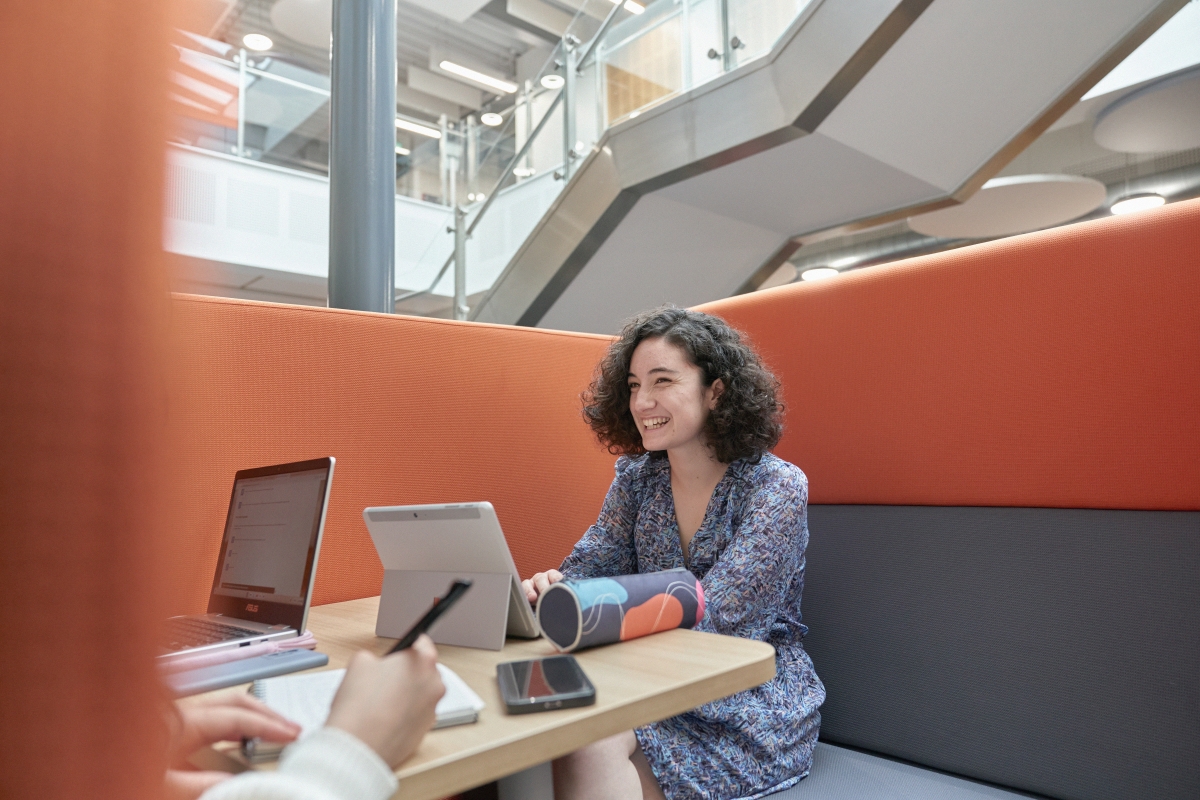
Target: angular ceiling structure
[[865, 111]]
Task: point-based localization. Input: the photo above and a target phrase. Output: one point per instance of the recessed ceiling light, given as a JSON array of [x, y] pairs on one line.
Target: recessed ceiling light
[[491, 119], [424, 130], [630, 6], [552, 81], [256, 41], [843, 262], [402, 151], [818, 273], [474, 75], [524, 172], [1137, 202]]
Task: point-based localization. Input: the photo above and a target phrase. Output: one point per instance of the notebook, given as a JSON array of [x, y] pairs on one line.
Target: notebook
[[305, 699]]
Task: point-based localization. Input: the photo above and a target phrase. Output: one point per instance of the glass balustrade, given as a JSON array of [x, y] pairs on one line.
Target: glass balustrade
[[755, 25]]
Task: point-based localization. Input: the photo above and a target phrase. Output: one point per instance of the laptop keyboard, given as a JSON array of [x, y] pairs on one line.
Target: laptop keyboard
[[183, 633]]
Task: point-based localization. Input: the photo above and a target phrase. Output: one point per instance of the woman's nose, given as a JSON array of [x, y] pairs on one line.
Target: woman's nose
[[642, 399]]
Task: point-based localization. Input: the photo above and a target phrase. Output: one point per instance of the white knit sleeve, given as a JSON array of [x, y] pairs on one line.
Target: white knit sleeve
[[329, 764]]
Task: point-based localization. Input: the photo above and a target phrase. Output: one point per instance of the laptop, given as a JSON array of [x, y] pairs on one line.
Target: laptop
[[263, 583], [423, 547]]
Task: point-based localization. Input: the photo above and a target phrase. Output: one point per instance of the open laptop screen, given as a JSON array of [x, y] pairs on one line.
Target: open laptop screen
[[272, 537]]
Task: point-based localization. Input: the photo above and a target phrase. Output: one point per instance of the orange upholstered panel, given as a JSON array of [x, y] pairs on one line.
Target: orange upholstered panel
[[83, 316], [1059, 369], [414, 410]]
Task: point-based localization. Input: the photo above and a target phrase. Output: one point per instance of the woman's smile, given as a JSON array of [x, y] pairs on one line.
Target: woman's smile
[[654, 423]]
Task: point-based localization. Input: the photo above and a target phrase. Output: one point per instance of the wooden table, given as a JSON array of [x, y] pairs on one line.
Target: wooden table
[[637, 682]]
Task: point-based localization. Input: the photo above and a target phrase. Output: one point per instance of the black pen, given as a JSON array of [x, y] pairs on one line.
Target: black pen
[[440, 606]]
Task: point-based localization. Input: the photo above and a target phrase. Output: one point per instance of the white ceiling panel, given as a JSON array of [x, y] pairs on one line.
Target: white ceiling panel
[[446, 88], [805, 185], [457, 10], [1174, 46], [541, 14], [426, 103], [968, 76]]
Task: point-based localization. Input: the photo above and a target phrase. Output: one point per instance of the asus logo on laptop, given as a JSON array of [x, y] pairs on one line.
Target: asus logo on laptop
[[252, 607]]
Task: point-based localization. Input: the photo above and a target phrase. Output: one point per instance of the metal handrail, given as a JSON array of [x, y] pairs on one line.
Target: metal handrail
[[516, 159], [599, 35], [491, 196]]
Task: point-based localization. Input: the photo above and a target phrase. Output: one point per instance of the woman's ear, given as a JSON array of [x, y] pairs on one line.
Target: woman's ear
[[714, 393]]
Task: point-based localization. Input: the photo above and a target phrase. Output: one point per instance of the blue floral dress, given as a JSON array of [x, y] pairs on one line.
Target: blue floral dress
[[749, 556]]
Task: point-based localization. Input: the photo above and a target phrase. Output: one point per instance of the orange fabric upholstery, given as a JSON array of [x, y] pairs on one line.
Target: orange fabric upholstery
[[414, 410], [1057, 369], [83, 323]]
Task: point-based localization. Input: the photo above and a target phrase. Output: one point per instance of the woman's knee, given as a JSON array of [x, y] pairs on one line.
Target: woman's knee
[[601, 754]]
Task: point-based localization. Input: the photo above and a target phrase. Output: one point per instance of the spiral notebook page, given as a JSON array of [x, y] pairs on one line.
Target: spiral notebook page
[[305, 699]]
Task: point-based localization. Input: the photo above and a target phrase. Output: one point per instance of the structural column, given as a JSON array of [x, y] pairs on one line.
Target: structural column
[[362, 156]]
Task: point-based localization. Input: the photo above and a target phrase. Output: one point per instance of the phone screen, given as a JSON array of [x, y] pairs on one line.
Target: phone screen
[[546, 677]]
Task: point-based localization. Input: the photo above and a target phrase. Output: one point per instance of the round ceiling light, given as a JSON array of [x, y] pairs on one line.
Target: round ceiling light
[[306, 21], [256, 41], [818, 274], [1137, 202], [1159, 118], [1017, 204], [552, 81], [491, 119]]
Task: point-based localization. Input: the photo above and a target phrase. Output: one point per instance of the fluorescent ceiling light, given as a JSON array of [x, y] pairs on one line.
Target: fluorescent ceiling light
[[256, 41], [478, 77], [491, 119], [630, 6], [552, 81], [843, 262], [524, 172], [1137, 202], [402, 151], [413, 127], [818, 273]]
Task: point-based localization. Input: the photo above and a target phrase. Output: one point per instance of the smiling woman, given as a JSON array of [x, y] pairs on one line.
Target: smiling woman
[[692, 412], [744, 423]]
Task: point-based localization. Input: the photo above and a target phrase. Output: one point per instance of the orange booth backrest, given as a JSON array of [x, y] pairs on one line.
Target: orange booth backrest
[[1054, 369], [414, 410]]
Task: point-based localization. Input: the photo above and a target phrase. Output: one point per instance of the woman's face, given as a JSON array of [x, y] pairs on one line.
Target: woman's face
[[667, 396]]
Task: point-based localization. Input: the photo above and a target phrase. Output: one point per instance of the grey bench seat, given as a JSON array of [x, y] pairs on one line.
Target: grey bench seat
[[842, 774]]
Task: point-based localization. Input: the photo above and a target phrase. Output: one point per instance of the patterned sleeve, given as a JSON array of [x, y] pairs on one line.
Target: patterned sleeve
[[744, 589], [607, 548]]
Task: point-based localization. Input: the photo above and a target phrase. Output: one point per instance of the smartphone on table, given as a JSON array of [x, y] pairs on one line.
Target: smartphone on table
[[544, 684]]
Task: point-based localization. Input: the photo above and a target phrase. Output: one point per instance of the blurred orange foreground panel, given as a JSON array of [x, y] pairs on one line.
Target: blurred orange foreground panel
[[83, 396]]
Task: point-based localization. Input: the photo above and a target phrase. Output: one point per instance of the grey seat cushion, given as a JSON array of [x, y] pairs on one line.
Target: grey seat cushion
[[841, 774]]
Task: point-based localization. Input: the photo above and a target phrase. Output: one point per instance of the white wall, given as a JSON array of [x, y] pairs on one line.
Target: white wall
[[228, 210]]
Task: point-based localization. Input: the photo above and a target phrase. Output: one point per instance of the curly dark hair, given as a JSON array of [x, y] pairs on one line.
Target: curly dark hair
[[747, 420]]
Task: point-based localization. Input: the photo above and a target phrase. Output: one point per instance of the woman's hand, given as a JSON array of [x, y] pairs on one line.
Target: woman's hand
[[540, 583], [389, 703], [217, 718]]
